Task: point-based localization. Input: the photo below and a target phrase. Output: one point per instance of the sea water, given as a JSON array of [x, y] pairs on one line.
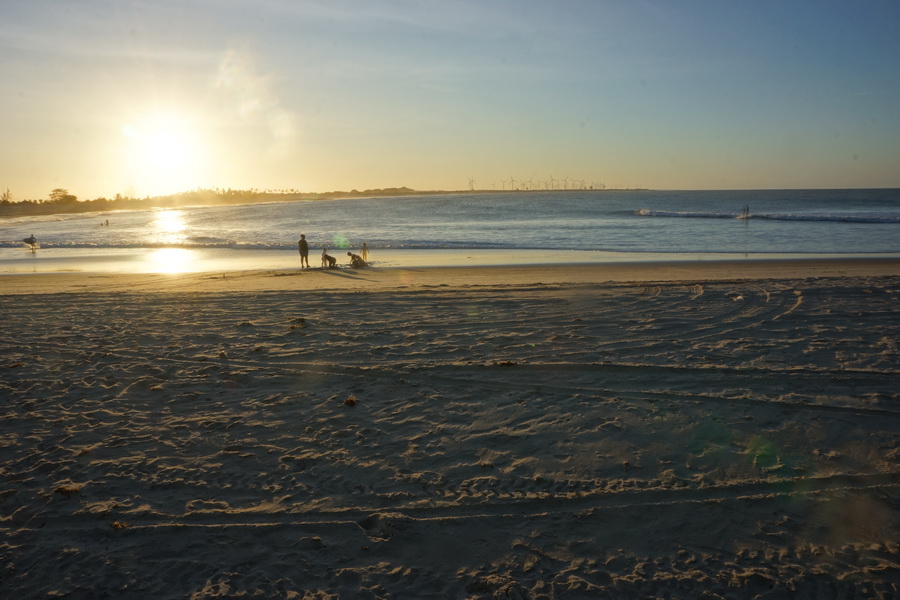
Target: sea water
[[569, 225]]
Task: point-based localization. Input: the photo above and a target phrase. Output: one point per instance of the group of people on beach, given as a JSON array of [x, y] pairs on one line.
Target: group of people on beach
[[329, 262], [357, 261]]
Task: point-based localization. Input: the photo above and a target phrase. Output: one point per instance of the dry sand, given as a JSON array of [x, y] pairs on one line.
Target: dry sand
[[723, 430]]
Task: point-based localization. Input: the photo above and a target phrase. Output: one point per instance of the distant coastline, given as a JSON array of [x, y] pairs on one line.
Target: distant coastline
[[67, 203]]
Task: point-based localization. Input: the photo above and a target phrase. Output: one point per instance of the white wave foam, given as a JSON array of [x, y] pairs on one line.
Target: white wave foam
[[812, 217]]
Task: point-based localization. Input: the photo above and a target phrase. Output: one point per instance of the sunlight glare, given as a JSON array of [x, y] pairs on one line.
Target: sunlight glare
[[166, 150], [164, 153], [171, 260], [168, 226]]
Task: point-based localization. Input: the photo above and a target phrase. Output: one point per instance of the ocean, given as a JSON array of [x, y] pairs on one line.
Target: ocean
[[541, 226]]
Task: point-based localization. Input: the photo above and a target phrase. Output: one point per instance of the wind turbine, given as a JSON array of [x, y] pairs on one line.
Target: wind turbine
[[471, 184], [512, 183]]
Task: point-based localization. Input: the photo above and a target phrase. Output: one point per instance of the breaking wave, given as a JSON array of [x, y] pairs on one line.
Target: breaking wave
[[812, 217]]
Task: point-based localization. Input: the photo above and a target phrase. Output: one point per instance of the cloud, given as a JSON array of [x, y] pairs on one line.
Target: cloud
[[254, 99]]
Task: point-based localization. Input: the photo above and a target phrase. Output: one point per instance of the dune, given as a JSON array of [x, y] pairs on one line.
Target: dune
[[691, 430]]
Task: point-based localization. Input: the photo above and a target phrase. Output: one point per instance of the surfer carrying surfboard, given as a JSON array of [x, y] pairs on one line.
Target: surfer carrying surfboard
[[31, 242]]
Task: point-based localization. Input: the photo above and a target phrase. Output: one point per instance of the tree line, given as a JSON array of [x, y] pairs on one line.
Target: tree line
[[61, 201]]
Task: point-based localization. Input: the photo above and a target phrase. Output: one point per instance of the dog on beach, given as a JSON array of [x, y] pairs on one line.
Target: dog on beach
[[328, 261]]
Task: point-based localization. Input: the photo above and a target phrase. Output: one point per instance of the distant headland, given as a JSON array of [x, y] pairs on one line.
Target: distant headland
[[61, 201]]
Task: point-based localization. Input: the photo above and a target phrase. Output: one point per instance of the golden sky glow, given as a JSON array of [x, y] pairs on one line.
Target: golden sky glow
[[163, 153], [150, 98]]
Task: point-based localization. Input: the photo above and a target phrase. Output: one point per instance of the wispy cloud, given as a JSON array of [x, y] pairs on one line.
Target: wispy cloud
[[254, 98]]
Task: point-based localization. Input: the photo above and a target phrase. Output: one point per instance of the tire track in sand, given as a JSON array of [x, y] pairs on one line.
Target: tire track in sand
[[547, 506]]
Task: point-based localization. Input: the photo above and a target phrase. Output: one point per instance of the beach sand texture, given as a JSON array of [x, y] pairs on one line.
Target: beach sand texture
[[695, 438]]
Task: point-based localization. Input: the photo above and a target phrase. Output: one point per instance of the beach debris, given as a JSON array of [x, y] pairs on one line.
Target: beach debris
[[299, 323], [223, 355], [118, 525], [350, 400]]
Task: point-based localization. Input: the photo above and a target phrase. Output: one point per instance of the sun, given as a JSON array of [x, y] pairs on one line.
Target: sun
[[167, 150], [164, 153]]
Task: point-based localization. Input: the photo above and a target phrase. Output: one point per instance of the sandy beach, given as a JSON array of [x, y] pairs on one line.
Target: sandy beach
[[680, 430]]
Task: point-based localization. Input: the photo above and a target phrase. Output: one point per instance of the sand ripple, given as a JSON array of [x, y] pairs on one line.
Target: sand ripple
[[674, 440]]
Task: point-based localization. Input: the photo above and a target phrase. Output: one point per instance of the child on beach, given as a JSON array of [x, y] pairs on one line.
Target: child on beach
[[356, 261], [328, 261]]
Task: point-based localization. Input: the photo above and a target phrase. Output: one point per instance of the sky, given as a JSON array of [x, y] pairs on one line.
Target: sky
[[152, 97]]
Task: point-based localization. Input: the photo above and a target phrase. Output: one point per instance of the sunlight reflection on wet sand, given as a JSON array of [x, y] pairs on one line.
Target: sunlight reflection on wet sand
[[198, 260], [171, 260]]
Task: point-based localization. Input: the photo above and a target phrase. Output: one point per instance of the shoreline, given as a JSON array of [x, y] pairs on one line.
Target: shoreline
[[217, 260], [450, 275]]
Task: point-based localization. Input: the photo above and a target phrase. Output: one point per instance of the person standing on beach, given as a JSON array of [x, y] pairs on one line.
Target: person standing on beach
[[304, 250], [364, 252]]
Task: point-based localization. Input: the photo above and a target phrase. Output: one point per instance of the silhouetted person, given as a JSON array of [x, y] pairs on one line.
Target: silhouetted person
[[364, 252], [356, 261], [303, 247], [31, 241]]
